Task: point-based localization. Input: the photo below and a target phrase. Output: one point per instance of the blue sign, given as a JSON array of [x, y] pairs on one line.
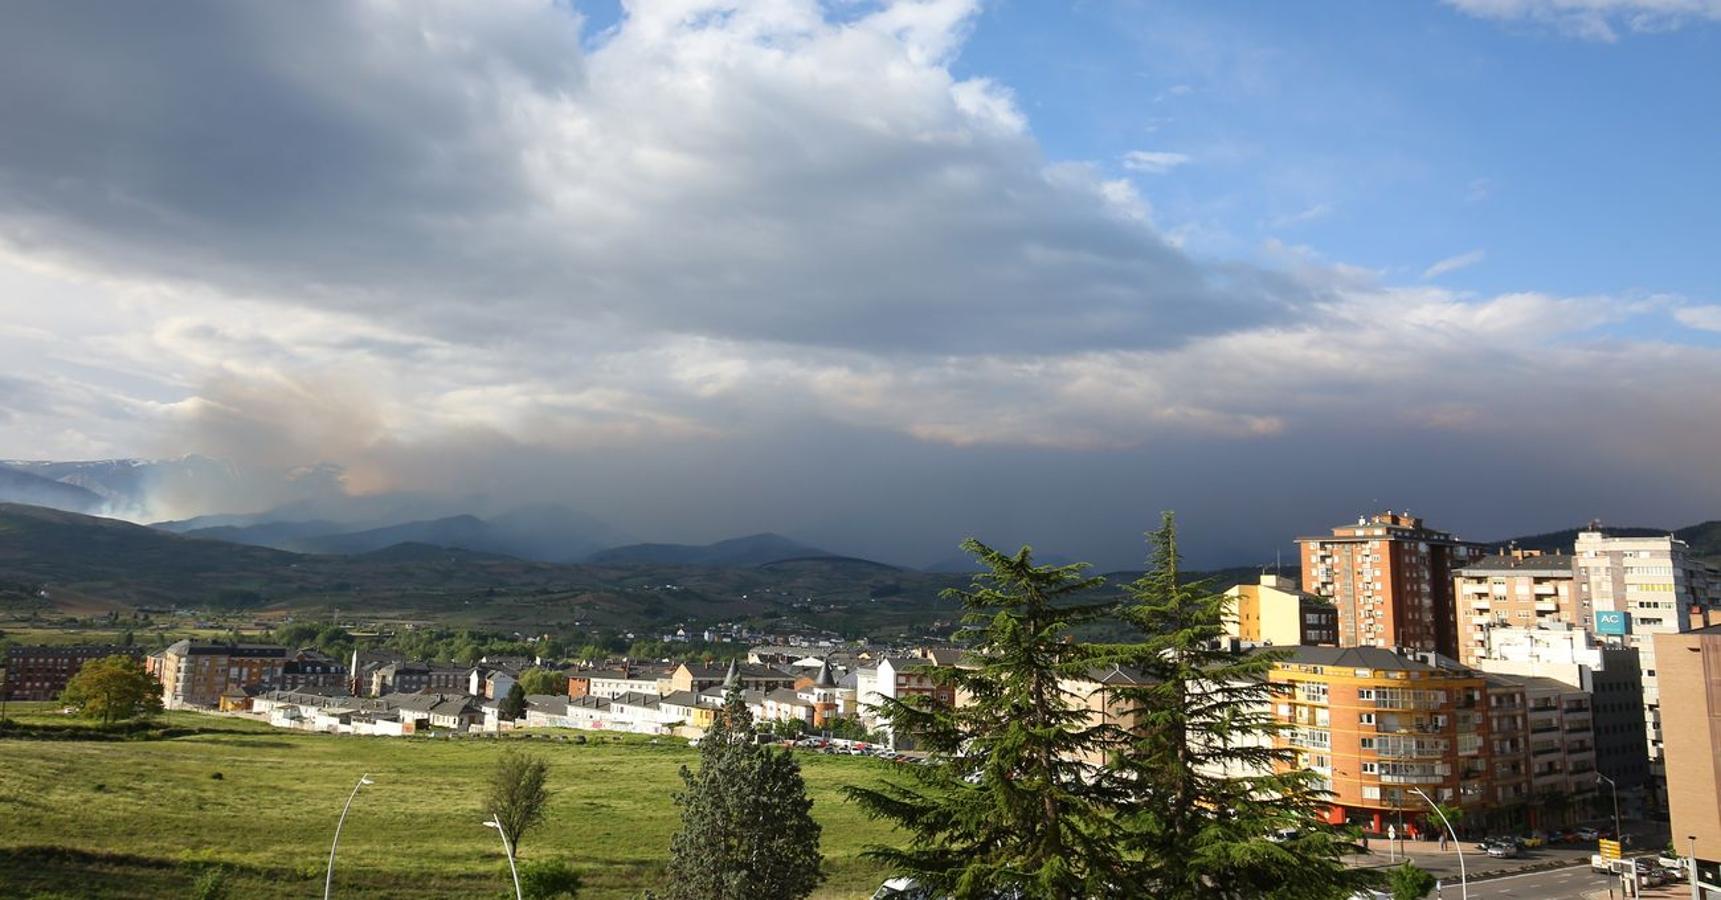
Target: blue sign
[[1615, 622]]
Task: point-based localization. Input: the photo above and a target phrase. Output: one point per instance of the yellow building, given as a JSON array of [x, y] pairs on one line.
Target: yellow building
[[1275, 612]]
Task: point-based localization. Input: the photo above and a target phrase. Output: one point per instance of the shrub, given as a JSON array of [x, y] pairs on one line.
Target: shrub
[[548, 879], [211, 884]]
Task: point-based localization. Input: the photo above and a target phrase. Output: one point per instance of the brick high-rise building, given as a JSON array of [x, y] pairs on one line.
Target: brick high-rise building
[[1391, 579]]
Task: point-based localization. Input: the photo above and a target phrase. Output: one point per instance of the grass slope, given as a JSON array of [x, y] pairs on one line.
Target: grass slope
[[104, 818]]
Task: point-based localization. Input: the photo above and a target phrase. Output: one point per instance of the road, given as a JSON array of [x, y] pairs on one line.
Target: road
[[1558, 884]]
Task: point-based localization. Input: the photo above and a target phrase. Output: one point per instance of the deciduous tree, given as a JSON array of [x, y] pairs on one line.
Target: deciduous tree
[[113, 688], [518, 793]]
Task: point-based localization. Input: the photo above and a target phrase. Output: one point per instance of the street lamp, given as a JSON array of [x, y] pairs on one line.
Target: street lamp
[[329, 879], [1691, 843], [1618, 835], [494, 822], [1463, 874]]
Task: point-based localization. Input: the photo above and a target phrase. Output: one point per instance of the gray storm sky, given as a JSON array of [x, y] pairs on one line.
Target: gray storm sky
[[779, 268]]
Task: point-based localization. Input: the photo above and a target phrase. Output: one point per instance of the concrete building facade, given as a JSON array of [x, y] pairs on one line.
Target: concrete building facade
[[1690, 669], [1274, 612], [1515, 589], [1640, 587], [199, 674]]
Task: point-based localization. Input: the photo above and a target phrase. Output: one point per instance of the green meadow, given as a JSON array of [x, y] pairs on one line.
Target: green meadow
[[143, 817]]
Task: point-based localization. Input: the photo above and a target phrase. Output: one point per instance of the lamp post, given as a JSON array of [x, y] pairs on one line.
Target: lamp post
[[1691, 854], [508, 849], [1463, 874], [329, 879], [1617, 834]]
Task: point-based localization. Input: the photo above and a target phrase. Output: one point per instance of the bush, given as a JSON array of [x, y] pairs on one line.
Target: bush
[[1410, 883], [547, 879], [210, 885]]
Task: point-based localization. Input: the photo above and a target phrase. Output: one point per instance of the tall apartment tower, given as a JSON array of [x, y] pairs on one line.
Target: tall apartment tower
[[1391, 579], [1639, 587]]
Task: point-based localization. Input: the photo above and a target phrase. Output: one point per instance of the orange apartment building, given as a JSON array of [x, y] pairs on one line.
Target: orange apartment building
[[1376, 725], [1391, 579], [199, 674]]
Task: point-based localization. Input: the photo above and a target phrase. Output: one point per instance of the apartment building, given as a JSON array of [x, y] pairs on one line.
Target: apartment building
[[1690, 669], [199, 674], [1391, 581], [1515, 589], [1274, 612], [1610, 674], [1556, 751], [41, 673], [1640, 587], [1376, 726]]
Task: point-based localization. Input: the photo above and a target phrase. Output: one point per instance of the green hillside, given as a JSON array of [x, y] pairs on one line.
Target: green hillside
[[102, 560], [139, 818]]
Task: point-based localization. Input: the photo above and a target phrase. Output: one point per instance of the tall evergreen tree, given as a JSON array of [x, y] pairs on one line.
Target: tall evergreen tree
[[747, 831], [1208, 795], [1008, 805]]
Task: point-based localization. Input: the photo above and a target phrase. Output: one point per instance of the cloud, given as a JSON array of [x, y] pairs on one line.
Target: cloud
[[1598, 20], [1312, 213], [722, 266], [1704, 317], [1153, 162], [1454, 263], [711, 168]]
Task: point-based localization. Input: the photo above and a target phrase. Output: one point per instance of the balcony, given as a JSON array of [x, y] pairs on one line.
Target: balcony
[[1411, 779]]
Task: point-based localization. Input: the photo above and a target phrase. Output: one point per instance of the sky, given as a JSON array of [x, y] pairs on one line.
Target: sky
[[881, 275]]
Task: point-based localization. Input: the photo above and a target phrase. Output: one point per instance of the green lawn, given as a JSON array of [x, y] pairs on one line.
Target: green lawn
[[92, 818]]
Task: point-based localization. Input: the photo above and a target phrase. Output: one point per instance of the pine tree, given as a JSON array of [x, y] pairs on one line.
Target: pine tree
[[1008, 805], [1208, 796], [746, 826]]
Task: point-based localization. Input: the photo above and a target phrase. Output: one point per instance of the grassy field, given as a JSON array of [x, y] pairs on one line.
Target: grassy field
[[140, 818]]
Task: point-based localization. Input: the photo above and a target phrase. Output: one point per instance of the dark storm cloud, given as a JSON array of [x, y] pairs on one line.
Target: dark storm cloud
[[466, 170]]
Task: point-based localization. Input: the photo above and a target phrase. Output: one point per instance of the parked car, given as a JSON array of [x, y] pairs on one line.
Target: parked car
[[1588, 834]]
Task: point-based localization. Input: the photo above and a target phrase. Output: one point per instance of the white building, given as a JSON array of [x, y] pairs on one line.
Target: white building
[[1639, 587]]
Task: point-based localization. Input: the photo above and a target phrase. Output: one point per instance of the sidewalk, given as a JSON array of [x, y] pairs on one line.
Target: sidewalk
[[1676, 891]]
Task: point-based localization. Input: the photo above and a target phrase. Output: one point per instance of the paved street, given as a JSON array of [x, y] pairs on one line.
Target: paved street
[[1559, 884]]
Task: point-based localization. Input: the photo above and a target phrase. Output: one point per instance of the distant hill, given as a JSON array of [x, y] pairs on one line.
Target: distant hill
[[546, 533], [1704, 538], [753, 550], [23, 487]]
